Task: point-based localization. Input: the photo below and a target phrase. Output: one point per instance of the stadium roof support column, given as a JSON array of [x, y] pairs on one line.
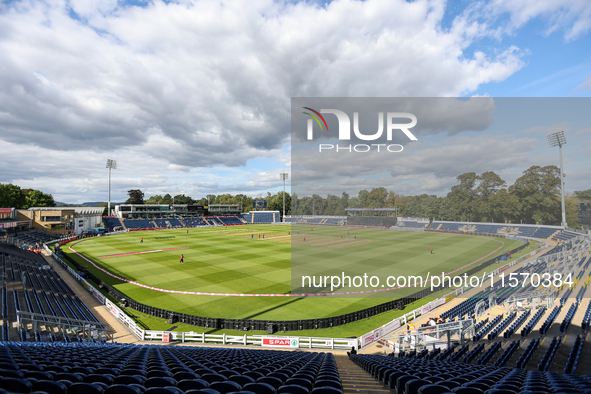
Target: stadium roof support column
[[558, 139]]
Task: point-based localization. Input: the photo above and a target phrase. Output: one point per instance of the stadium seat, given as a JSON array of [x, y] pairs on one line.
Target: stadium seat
[[202, 391], [123, 389], [129, 379], [292, 389], [38, 375], [196, 384], [163, 390], [307, 383], [159, 374], [412, 386], [326, 390], [213, 377], [160, 382], [85, 388], [401, 382], [432, 389], [500, 391], [9, 373], [467, 390], [328, 383], [72, 377], [225, 387], [16, 385], [92, 378], [50, 387], [259, 388], [185, 375]]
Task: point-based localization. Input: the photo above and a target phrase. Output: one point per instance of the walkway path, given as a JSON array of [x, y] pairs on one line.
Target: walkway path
[[355, 380]]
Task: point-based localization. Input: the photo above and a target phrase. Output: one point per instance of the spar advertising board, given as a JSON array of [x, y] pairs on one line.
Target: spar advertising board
[[286, 343]]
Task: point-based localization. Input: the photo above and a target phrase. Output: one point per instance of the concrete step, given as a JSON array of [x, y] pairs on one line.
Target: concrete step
[[355, 380]]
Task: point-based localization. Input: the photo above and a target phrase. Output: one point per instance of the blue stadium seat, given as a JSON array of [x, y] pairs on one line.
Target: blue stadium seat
[[123, 389]]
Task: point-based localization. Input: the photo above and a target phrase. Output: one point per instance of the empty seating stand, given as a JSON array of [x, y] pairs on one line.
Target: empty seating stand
[[33, 287], [138, 224], [434, 376], [108, 368], [533, 231], [111, 223]]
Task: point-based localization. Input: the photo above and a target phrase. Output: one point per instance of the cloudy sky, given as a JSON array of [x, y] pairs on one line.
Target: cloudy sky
[[194, 97]]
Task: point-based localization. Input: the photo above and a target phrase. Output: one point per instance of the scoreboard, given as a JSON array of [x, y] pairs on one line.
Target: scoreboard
[[259, 203], [201, 210], [585, 213]]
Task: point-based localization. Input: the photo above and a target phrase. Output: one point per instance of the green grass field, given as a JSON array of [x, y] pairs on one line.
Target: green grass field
[[227, 260]]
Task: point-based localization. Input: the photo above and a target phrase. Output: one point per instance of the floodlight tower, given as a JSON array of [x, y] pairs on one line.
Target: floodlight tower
[[283, 176], [111, 164], [558, 139]]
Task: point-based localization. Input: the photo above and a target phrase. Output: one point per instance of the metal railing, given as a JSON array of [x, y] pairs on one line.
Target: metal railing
[[84, 329]]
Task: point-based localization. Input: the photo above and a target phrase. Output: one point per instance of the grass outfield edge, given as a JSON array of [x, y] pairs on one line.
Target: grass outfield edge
[[70, 246]]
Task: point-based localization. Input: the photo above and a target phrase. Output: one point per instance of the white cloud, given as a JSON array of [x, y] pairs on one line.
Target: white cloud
[[179, 86], [572, 16]]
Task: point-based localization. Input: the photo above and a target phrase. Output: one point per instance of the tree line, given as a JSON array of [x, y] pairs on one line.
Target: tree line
[[533, 198], [12, 196], [274, 201]]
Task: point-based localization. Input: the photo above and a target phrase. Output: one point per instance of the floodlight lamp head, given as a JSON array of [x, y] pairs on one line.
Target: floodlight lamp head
[[283, 176], [556, 139], [111, 163]]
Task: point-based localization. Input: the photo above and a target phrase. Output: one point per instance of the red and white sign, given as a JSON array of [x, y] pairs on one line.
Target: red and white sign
[[166, 337], [98, 295], [291, 343], [504, 268], [112, 308]]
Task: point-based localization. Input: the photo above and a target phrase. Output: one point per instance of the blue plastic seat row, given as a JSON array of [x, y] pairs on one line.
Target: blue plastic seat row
[[549, 354], [532, 322], [506, 355], [515, 326], [550, 319], [573, 359], [528, 353], [569, 317]]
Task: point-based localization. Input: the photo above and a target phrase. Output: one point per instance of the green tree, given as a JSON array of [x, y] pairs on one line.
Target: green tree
[[11, 196], [354, 202], [504, 207], [37, 198], [362, 197], [377, 197], [318, 204], [538, 190], [489, 184], [572, 211], [157, 199], [583, 195], [331, 205], [462, 196], [135, 197], [287, 203]]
